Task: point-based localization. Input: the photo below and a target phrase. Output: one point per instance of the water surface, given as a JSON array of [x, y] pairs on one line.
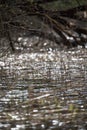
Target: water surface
[[44, 90]]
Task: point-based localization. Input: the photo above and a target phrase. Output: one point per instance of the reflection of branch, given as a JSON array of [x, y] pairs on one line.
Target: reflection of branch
[[6, 26], [44, 1], [58, 27], [45, 35], [75, 24], [41, 1], [68, 12]]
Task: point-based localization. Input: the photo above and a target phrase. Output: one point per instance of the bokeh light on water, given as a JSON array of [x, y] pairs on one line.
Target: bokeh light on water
[[44, 90]]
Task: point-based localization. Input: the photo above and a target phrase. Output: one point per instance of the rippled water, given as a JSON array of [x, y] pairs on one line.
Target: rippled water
[[44, 91]]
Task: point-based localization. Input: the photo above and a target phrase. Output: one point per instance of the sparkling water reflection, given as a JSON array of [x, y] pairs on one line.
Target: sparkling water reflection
[[44, 91]]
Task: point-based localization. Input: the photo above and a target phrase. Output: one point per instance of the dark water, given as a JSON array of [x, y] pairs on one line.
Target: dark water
[[44, 91]]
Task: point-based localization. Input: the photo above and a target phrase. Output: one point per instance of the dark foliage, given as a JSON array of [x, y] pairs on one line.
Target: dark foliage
[[65, 23]]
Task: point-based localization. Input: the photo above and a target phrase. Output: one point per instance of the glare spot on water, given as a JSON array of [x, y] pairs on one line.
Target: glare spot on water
[[14, 128], [82, 106], [35, 110], [2, 63], [86, 45], [4, 125], [62, 98], [43, 126], [20, 126], [5, 99], [79, 47], [25, 43], [61, 123], [45, 43], [55, 122]]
